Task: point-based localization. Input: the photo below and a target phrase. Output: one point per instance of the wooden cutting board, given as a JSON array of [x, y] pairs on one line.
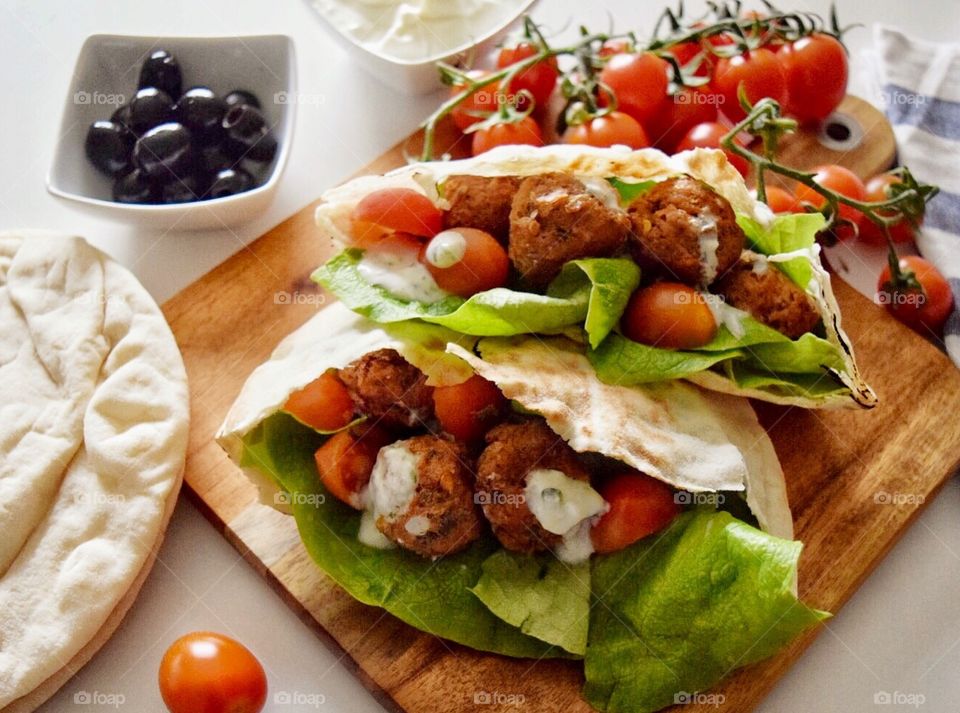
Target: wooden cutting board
[[856, 479]]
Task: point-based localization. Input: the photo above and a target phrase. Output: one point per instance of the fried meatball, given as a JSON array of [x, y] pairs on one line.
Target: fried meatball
[[684, 230], [555, 219], [441, 517], [513, 450], [480, 202], [770, 297], [386, 387]]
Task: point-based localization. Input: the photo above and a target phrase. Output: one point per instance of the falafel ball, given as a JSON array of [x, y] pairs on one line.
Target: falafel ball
[[770, 297], [480, 202], [441, 517], [554, 219], [684, 230], [386, 387], [514, 450]]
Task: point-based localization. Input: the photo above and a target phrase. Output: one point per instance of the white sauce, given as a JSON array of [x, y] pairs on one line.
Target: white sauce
[[446, 249], [393, 482], [401, 273], [705, 223], [416, 30], [418, 525], [554, 195], [577, 545], [730, 317], [559, 502], [370, 536], [602, 189]]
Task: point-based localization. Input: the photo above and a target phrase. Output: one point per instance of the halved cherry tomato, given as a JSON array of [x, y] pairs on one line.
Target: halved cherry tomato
[[401, 209], [877, 189], [524, 131], [639, 507], [323, 404], [466, 261], [668, 315], [843, 181], [206, 672], [707, 136], [478, 105], [467, 411], [924, 310], [609, 130], [539, 80], [815, 69], [346, 459], [687, 108], [639, 82], [758, 70], [781, 200]]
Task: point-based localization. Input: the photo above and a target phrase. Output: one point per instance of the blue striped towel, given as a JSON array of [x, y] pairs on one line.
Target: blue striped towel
[[920, 83]]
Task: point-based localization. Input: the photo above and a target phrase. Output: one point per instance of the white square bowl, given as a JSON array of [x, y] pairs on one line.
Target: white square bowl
[[106, 73]]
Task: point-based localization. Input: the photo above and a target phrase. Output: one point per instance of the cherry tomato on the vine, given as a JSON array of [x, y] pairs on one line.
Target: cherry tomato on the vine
[[924, 309], [877, 189], [524, 131], [476, 107], [539, 80], [608, 130], [707, 136], [639, 81], [843, 181], [758, 70], [688, 107], [781, 200], [816, 70], [618, 45]]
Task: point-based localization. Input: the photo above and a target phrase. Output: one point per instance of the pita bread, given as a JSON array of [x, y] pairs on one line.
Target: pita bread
[[93, 432]]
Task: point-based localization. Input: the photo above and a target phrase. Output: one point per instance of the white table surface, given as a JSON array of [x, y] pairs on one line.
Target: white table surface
[[899, 635]]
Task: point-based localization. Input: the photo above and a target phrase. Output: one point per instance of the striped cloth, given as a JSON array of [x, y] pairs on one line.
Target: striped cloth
[[920, 85]]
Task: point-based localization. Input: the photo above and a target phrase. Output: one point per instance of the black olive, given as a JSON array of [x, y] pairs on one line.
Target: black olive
[[212, 158], [164, 152], [248, 134], [150, 107], [200, 110], [183, 190], [161, 70], [108, 147], [242, 96], [134, 188], [228, 182], [121, 117]]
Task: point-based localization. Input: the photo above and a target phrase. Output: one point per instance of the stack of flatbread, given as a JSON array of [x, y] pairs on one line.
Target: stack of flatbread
[[93, 433]]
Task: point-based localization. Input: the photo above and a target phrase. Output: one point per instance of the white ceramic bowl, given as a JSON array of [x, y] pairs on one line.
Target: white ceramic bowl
[[106, 74], [418, 76]]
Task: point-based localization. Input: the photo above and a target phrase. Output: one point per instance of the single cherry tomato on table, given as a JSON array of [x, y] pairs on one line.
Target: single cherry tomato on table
[[608, 130], [781, 200], [466, 261], [687, 108], [539, 80], [708, 136], [389, 209], [467, 411], [346, 459], [923, 309], [323, 404], [816, 71], [524, 131], [760, 73], [669, 315], [206, 672], [639, 507], [639, 81], [840, 180], [877, 190]]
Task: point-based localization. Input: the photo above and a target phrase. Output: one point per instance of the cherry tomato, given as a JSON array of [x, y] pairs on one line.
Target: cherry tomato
[[843, 181], [707, 136], [639, 506], [639, 82], [616, 46], [781, 200], [758, 70], [539, 80], [815, 68], [466, 261], [205, 672], [323, 404], [524, 131], [346, 459], [478, 105], [668, 315], [877, 190], [402, 209], [686, 109], [685, 52], [467, 411], [610, 130], [923, 310]]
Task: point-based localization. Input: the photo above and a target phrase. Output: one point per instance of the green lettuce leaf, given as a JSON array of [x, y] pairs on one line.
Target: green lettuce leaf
[[680, 611], [795, 231], [595, 290], [430, 595], [541, 596], [628, 191]]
